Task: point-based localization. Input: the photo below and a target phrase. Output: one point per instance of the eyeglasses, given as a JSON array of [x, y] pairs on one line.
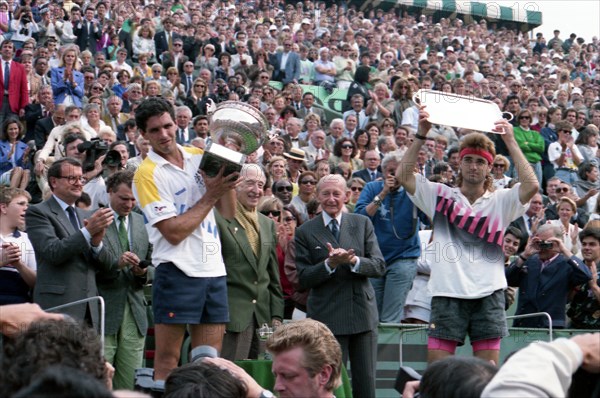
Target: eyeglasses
[[199, 85], [525, 117], [308, 182], [288, 188], [72, 179], [274, 213], [347, 146], [264, 77], [177, 44], [563, 190], [289, 219], [565, 131], [356, 189], [498, 165], [96, 88]]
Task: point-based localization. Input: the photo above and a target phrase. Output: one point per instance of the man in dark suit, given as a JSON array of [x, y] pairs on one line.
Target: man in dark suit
[[248, 246], [66, 240], [287, 65], [124, 36], [34, 112], [371, 171], [308, 100], [126, 246], [335, 255], [88, 31], [175, 57], [44, 126], [545, 274], [15, 94], [533, 217], [163, 41]]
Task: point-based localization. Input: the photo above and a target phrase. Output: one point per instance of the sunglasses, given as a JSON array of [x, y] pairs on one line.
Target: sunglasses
[[289, 219], [347, 146], [288, 188], [498, 165], [525, 117], [308, 182], [356, 189], [565, 131], [564, 190], [274, 213]]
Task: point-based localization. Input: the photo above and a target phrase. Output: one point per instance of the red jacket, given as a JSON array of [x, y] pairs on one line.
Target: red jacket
[[18, 94]]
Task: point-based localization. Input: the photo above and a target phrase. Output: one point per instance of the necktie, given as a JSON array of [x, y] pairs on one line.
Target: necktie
[[6, 75], [73, 217], [358, 119], [123, 238], [169, 40], [180, 138], [189, 85], [372, 176], [335, 231]]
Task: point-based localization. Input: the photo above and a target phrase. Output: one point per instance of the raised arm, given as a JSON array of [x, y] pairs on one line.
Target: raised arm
[[405, 173], [529, 183]]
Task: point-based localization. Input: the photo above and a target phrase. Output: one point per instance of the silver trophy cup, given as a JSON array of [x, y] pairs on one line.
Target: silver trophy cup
[[236, 129]]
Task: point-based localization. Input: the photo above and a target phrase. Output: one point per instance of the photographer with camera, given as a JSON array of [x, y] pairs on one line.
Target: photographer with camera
[[23, 26], [545, 273]]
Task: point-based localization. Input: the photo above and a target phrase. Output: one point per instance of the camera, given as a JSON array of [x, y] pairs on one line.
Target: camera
[[26, 18], [545, 245], [112, 159], [93, 150], [144, 264]]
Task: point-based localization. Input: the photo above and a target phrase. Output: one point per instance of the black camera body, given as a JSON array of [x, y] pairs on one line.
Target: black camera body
[[93, 150], [545, 245]]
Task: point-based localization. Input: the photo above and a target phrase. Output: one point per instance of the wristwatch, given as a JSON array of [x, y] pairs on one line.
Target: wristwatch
[[266, 394], [377, 200]]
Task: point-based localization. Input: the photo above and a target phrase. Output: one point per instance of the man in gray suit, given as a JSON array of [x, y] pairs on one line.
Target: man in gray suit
[[335, 255], [126, 246], [66, 240]]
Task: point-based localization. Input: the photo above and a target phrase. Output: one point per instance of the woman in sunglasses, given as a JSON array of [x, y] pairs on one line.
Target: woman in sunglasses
[[283, 219], [355, 186], [499, 167], [344, 151]]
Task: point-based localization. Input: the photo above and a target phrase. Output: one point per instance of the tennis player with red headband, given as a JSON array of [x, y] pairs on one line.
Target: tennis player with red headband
[[467, 264]]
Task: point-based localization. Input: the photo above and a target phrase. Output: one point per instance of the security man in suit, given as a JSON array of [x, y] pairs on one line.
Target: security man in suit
[[336, 254], [126, 246], [248, 245]]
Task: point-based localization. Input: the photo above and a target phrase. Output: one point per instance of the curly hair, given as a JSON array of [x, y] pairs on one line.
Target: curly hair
[[48, 343], [478, 141]]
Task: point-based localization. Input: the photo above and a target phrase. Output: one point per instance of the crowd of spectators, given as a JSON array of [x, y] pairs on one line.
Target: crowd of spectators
[[74, 73]]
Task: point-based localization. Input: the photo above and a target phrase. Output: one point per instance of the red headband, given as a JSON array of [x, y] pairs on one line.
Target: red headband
[[479, 152]]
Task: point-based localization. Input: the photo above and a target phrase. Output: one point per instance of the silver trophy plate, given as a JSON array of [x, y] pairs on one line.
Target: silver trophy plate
[[460, 111]]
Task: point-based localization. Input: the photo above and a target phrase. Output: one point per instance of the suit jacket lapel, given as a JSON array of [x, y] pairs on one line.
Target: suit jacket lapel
[[61, 216], [550, 271], [239, 235], [323, 234]]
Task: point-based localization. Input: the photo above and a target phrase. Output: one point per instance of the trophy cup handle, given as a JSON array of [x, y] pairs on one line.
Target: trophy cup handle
[[508, 116]]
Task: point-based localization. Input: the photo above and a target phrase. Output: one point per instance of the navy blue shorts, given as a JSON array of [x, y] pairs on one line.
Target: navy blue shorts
[[180, 299], [482, 319]]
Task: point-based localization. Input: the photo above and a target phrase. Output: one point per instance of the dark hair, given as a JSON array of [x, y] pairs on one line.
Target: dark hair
[[585, 168], [152, 107], [62, 381], [361, 75], [48, 343], [118, 178], [295, 213], [440, 167], [337, 148], [203, 380], [85, 198], [360, 132], [7, 122], [456, 377], [514, 231], [590, 232], [55, 169]]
